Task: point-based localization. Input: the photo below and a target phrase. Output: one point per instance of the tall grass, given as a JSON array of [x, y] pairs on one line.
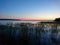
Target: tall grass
[[29, 34]]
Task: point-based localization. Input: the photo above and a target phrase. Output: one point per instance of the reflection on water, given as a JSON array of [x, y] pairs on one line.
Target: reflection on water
[[7, 21], [30, 34]]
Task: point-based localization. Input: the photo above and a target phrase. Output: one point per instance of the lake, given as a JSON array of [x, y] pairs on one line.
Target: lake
[[7, 21]]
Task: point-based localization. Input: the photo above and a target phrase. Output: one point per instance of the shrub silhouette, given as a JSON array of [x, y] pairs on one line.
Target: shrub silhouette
[[57, 20]]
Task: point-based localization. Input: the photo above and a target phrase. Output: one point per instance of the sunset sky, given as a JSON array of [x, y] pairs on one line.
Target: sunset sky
[[30, 9]]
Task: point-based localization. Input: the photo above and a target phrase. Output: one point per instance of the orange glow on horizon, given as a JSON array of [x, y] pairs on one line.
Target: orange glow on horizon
[[30, 18], [37, 18]]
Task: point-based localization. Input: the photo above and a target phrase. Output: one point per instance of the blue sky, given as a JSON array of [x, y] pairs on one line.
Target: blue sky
[[30, 9]]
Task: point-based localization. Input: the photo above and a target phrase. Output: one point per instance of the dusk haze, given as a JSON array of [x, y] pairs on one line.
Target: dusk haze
[[30, 9]]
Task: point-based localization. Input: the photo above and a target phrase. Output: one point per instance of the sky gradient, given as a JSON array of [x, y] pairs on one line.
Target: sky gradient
[[30, 9]]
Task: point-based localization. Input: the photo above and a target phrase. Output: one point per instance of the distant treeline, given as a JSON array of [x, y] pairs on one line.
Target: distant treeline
[[11, 19], [57, 20]]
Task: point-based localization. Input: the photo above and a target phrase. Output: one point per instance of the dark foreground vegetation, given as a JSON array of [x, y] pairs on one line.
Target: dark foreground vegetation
[[30, 34]]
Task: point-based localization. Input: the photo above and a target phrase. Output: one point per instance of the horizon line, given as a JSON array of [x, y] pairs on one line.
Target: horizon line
[[21, 20]]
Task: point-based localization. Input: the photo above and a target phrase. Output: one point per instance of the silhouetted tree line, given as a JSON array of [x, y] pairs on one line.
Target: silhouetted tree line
[[57, 20]]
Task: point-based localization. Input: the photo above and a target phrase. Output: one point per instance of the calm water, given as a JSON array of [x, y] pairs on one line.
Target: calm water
[[5, 21]]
